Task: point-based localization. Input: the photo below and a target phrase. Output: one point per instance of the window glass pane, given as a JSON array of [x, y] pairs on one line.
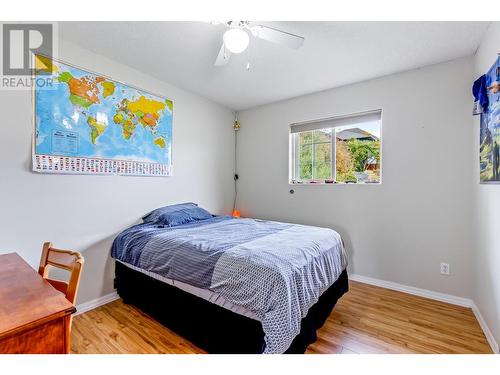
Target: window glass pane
[[305, 162], [322, 135], [358, 152], [305, 137], [322, 161]]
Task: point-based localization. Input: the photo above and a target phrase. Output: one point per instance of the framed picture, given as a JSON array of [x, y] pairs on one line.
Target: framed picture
[[489, 139]]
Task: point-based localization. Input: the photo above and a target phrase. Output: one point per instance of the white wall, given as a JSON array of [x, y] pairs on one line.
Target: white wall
[[421, 214], [85, 213], [487, 209]]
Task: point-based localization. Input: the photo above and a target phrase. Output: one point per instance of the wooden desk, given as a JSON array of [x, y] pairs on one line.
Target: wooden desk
[[34, 317]]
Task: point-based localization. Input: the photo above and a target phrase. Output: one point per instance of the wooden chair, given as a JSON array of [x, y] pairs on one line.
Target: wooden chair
[[68, 260]]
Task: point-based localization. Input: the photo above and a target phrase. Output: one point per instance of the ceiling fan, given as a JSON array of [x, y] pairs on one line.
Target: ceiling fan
[[237, 38]]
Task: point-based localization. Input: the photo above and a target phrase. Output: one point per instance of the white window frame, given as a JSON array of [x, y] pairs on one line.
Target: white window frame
[[327, 123]]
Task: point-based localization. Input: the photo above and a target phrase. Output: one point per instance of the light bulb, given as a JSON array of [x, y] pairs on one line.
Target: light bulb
[[236, 40]]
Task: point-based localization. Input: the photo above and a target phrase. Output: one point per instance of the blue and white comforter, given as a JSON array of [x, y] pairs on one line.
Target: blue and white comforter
[[275, 270]]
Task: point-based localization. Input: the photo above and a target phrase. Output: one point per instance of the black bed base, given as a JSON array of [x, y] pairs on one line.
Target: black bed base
[[212, 327]]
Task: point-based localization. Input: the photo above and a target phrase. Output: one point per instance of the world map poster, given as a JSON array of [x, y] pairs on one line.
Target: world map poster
[[86, 123]]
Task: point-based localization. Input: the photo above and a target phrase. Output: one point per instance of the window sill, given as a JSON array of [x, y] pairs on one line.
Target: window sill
[[332, 183]]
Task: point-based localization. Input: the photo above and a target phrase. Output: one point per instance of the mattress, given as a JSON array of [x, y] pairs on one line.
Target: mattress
[[205, 294]]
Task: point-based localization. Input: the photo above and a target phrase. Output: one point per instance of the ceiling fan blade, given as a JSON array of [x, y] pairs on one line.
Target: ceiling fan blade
[[223, 56], [277, 36]]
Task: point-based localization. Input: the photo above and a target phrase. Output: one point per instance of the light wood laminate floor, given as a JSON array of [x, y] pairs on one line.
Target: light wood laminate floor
[[368, 319]]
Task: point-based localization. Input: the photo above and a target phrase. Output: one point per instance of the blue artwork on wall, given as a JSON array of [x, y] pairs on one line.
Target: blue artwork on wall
[[489, 150]]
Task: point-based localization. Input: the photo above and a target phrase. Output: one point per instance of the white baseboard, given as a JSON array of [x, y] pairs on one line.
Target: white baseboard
[[443, 297], [448, 298], [90, 305], [489, 335]]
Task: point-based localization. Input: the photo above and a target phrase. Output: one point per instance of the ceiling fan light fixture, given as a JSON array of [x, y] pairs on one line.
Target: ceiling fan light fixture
[[236, 40]]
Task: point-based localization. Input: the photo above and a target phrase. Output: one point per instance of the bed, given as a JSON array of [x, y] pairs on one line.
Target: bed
[[232, 285]]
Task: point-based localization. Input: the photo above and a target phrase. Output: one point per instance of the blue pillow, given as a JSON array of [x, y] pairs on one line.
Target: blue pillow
[[177, 214]]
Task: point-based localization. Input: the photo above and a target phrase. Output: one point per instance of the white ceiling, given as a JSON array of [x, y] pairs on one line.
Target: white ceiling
[[333, 54]]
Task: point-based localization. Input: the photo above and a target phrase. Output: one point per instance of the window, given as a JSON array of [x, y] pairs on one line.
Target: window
[[342, 149]]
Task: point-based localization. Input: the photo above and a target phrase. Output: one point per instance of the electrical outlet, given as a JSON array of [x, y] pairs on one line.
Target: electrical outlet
[[445, 269]]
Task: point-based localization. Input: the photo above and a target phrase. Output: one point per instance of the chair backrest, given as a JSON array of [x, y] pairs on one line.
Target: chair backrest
[[68, 260]]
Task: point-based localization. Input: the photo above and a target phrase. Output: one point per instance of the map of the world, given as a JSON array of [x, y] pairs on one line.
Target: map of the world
[[87, 123]]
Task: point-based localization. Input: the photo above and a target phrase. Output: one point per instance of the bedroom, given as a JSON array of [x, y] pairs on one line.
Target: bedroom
[[250, 186]]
